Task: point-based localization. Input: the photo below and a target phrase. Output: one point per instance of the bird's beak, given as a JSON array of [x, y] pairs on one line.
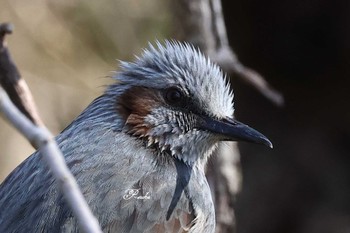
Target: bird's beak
[[233, 130]]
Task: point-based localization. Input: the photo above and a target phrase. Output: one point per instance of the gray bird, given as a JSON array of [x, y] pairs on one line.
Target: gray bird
[[138, 152]]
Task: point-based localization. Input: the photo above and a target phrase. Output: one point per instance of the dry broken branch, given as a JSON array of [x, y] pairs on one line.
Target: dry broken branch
[[11, 81], [25, 118]]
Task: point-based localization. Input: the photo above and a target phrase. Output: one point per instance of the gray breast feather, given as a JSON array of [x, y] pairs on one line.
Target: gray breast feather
[[131, 195]]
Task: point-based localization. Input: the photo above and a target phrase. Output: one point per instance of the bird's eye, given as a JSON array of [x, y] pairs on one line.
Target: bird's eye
[[174, 95]]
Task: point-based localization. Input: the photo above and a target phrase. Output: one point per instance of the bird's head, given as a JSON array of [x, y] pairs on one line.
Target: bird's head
[[179, 103]]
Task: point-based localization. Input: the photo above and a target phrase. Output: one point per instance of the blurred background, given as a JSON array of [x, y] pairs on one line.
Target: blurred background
[[66, 51]]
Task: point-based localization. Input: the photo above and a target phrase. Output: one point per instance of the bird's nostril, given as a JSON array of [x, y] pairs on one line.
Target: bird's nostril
[[229, 121]]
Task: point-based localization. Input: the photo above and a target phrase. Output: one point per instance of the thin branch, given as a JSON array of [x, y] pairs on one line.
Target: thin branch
[[32, 128], [203, 24], [219, 23], [11, 80], [226, 58]]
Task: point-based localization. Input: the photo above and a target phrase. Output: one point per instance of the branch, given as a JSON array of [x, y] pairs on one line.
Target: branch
[[29, 124], [11, 80], [202, 23], [226, 58]]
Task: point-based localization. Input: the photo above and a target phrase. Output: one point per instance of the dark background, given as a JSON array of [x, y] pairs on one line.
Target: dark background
[[302, 49]]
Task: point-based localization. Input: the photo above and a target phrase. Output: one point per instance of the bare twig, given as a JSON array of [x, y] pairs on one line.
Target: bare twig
[[202, 23], [11, 80], [29, 124], [226, 58], [5, 28]]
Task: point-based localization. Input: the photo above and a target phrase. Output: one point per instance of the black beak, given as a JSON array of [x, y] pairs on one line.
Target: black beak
[[233, 130]]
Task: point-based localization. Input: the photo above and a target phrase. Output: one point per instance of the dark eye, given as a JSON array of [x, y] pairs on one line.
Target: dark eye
[[174, 95]]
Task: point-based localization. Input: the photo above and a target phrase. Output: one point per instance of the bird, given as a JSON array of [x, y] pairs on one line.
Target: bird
[[138, 152]]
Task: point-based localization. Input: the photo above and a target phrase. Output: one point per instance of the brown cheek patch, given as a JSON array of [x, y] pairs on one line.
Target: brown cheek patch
[[134, 105]]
